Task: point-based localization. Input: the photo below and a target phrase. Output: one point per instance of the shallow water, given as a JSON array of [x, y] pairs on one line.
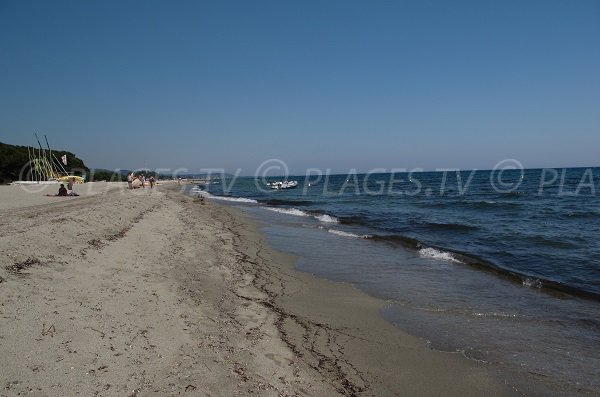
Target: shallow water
[[517, 328]]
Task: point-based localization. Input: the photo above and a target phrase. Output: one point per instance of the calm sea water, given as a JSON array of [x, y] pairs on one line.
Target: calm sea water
[[503, 268]]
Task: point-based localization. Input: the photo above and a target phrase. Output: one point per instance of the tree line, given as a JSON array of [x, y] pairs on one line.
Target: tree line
[[14, 162], [15, 165]]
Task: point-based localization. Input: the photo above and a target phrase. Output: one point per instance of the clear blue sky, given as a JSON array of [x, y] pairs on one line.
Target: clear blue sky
[[339, 84]]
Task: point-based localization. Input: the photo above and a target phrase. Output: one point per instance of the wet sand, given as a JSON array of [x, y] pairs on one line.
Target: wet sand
[[150, 292]]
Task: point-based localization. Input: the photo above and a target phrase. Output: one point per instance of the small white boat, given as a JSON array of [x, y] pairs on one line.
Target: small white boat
[[279, 185]]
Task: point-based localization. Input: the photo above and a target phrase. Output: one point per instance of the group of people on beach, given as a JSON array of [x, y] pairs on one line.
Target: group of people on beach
[[66, 191], [142, 178]]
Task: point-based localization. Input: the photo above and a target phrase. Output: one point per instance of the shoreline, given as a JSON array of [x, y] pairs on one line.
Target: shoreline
[[313, 312], [153, 292]]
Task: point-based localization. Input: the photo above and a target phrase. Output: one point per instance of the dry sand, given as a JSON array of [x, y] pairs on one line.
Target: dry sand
[[150, 292]]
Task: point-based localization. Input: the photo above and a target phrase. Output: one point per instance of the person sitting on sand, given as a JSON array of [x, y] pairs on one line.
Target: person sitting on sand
[[62, 192]]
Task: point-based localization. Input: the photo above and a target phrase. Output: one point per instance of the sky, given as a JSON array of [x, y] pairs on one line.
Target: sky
[[317, 84]]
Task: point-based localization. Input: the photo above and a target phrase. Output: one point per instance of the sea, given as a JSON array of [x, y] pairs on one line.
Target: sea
[[502, 267]]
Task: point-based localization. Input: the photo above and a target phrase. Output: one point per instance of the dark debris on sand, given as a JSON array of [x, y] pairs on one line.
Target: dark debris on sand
[[19, 267]]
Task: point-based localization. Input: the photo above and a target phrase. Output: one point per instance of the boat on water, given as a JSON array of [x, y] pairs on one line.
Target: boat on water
[[279, 185]]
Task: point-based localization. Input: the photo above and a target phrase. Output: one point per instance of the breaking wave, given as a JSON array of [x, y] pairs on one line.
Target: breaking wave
[[326, 218], [203, 193], [234, 199], [437, 254], [347, 234], [287, 211]]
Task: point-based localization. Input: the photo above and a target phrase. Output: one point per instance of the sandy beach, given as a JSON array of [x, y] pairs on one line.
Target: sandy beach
[[151, 292]]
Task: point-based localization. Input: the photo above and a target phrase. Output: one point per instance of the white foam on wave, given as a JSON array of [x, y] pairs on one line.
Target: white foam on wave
[[326, 218], [296, 212], [495, 314], [234, 199], [532, 283], [346, 234], [206, 194], [288, 211], [437, 254]]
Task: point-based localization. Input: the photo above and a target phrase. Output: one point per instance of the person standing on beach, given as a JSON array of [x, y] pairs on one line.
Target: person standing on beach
[[143, 180], [151, 180], [70, 185], [130, 180]]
